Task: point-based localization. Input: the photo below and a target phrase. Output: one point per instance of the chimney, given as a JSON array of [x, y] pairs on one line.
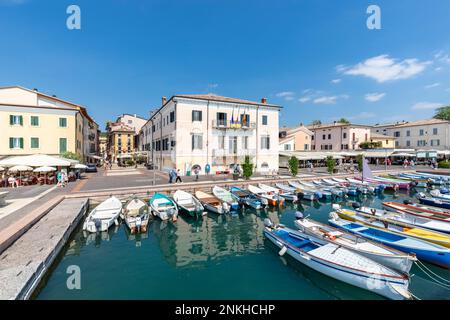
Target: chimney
[[263, 100], [163, 100], [301, 124], [35, 90], [135, 115]]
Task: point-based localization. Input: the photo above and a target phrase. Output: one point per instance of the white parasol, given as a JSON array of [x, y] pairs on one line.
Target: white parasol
[[20, 169], [79, 166], [44, 169]]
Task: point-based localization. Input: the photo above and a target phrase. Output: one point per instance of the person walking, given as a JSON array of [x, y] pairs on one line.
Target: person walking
[[196, 172], [178, 174], [171, 175], [58, 179]]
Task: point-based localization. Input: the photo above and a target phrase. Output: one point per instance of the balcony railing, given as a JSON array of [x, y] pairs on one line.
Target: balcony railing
[[226, 124], [233, 153]]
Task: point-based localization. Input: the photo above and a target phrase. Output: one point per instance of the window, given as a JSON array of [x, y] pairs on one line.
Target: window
[[329, 136], [435, 142], [421, 132], [15, 120], [232, 146], [34, 143], [196, 115], [421, 143], [264, 120], [397, 143], [165, 144], [172, 116], [197, 142], [354, 137], [344, 135], [408, 133], [435, 131], [34, 121], [245, 143], [287, 147], [408, 143], [164, 122], [306, 147], [397, 134], [324, 137], [63, 122], [221, 142], [16, 143], [265, 142], [245, 120], [221, 119], [153, 128], [62, 145]]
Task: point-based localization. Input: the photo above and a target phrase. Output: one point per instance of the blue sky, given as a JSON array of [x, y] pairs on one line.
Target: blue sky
[[316, 58]]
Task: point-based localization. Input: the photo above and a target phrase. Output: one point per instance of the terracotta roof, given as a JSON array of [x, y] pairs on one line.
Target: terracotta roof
[[213, 97]]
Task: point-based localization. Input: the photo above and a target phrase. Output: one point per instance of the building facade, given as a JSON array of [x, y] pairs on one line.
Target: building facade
[[190, 130], [34, 123], [339, 136], [385, 142], [103, 143], [430, 134], [295, 139], [120, 142]]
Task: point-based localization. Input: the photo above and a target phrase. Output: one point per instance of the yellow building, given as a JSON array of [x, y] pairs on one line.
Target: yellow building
[[387, 142], [103, 143], [33, 122], [120, 141]]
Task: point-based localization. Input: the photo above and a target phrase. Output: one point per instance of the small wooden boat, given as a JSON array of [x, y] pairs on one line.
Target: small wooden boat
[[103, 216], [418, 210], [338, 262], [188, 204], [248, 198], [211, 203], [272, 198], [163, 207], [226, 197], [380, 253], [397, 227], [305, 193], [430, 201], [136, 215], [424, 250], [288, 196]]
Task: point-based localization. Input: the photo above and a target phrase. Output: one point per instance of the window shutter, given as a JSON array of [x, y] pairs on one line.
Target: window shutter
[[21, 121], [11, 143], [200, 115], [200, 142], [193, 113], [11, 119], [21, 143], [193, 140]]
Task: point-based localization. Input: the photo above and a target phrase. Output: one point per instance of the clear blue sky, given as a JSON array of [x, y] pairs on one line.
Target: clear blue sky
[[316, 58]]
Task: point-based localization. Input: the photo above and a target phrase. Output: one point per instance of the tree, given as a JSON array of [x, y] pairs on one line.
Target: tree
[[247, 168], [343, 120], [71, 155], [442, 113], [331, 164], [359, 161], [293, 165], [316, 122], [370, 145]]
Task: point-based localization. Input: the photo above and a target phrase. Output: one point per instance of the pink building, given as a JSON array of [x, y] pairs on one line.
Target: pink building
[[338, 136]]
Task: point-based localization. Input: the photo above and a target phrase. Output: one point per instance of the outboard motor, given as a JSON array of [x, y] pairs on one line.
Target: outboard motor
[[268, 223], [264, 202], [318, 194], [335, 206], [443, 190], [334, 216], [299, 215], [225, 207], [98, 224], [406, 201], [356, 205]]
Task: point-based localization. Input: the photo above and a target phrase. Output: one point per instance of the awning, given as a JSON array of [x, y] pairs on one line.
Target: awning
[[123, 156], [377, 154], [36, 160], [403, 154]]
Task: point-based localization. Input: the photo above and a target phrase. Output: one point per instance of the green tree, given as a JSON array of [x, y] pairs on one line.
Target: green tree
[[331, 164], [247, 168], [71, 155], [343, 120], [370, 145], [293, 165], [316, 122], [442, 113], [359, 161]]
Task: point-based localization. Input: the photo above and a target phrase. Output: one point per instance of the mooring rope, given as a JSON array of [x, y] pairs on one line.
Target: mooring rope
[[438, 282], [431, 271]]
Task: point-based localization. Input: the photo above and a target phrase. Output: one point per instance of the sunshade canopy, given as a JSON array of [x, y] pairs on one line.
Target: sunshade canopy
[[44, 169], [79, 166], [35, 160], [20, 169]]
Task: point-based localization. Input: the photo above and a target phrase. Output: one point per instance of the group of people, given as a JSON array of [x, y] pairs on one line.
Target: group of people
[[408, 163], [175, 175]]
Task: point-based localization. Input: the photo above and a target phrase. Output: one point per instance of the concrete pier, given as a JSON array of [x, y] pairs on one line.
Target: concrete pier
[[24, 263]]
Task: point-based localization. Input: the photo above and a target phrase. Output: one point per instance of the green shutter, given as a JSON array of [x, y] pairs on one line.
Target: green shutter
[[62, 145], [11, 119], [34, 121], [21, 143], [21, 120], [34, 143], [11, 143]]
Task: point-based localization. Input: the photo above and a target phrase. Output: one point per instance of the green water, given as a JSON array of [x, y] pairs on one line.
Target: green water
[[217, 257]]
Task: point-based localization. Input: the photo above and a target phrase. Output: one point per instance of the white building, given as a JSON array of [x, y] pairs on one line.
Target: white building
[[132, 120], [430, 134], [212, 130]]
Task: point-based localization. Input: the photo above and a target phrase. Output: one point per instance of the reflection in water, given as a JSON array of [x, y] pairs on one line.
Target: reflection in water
[[190, 242]]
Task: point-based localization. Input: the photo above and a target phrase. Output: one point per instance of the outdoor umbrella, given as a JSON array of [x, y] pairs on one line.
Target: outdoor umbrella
[[20, 168], [44, 169], [2, 169], [35, 160], [79, 166]]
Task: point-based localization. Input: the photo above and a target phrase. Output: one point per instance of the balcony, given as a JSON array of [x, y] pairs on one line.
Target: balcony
[[233, 153], [226, 124]]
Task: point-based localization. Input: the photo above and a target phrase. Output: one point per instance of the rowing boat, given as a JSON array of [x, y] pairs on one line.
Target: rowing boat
[[418, 210], [212, 203], [303, 193], [103, 216], [135, 213], [188, 204], [248, 198], [272, 198], [226, 197], [430, 201], [163, 207]]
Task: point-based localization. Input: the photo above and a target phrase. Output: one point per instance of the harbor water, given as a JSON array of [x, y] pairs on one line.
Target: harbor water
[[215, 257]]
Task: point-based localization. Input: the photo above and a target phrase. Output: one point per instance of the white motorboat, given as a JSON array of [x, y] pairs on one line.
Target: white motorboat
[[136, 215], [103, 216]]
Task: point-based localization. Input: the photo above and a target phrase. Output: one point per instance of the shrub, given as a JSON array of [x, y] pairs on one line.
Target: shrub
[[331, 164], [293, 165], [71, 155], [444, 164], [359, 161], [247, 168], [129, 163]]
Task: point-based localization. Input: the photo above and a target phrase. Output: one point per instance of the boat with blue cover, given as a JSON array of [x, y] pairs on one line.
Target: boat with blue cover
[[424, 250], [226, 197], [163, 207], [430, 201], [248, 198], [338, 262]]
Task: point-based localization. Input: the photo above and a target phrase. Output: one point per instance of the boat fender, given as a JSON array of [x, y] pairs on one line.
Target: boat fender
[[334, 215], [282, 251], [268, 223], [356, 205], [335, 206], [299, 215]]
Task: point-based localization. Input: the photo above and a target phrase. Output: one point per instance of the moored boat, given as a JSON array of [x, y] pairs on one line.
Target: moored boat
[[338, 262], [248, 198], [272, 198], [306, 193], [424, 250], [211, 203], [163, 207], [226, 197], [418, 210], [288, 196], [430, 201], [136, 215], [387, 256], [188, 204], [103, 216]]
